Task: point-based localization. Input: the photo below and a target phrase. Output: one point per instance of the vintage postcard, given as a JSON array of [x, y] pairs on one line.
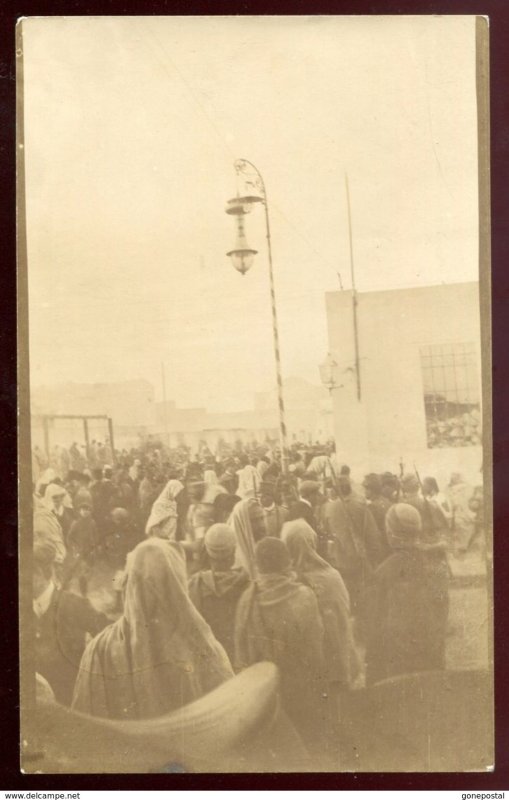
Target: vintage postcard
[[255, 394]]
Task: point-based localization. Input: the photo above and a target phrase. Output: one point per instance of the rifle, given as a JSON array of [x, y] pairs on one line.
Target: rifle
[[426, 503]]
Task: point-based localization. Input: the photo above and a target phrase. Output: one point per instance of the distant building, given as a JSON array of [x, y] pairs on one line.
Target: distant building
[[129, 403], [420, 377], [308, 419], [136, 416]]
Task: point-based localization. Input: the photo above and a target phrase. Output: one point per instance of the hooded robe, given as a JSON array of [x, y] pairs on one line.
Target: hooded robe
[[161, 654]]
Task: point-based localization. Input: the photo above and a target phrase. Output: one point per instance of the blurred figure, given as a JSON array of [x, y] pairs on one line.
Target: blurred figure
[[287, 493], [322, 466], [200, 516], [121, 535], [308, 504], [278, 620], [83, 536], [274, 514], [123, 495], [406, 607], [459, 493], [147, 494], [341, 660], [135, 473], [210, 477], [476, 506], [229, 478], [297, 465], [248, 523], [82, 493], [83, 547], [261, 467], [249, 480], [433, 494], [62, 622], [163, 519], [355, 546], [223, 506], [434, 524], [390, 486], [102, 491], [161, 654], [216, 591], [47, 527], [379, 505]]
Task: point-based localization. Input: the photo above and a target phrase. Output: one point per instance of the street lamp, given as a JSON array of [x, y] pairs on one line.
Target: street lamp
[[329, 373], [242, 257]]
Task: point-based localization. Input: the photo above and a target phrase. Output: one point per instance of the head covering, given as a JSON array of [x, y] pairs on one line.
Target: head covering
[[224, 505], [161, 654], [47, 529], [210, 477], [268, 487], [249, 481], [331, 594], [403, 524], [409, 483], [456, 478], [431, 484], [272, 556], [219, 541], [53, 492], [262, 468], [373, 483], [301, 540], [240, 521], [74, 475], [344, 485], [308, 487], [48, 476], [134, 469], [388, 479], [119, 515], [165, 506], [45, 553], [83, 502]]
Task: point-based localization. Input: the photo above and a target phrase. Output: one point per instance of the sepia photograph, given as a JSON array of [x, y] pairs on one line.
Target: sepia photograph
[[255, 455]]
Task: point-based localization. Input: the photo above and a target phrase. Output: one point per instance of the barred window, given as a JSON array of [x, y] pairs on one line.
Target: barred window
[[451, 395]]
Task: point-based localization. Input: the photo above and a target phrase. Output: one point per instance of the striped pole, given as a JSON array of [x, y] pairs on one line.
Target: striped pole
[[243, 166], [277, 354]]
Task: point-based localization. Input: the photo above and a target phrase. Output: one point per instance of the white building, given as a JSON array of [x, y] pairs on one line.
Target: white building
[[419, 360]]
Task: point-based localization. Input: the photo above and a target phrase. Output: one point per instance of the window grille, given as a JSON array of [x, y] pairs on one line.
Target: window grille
[[451, 395]]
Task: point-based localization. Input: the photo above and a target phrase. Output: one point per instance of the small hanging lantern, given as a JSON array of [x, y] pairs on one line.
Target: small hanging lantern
[[242, 255], [329, 373]]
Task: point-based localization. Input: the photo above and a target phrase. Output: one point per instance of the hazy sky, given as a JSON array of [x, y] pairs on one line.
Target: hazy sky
[[132, 126]]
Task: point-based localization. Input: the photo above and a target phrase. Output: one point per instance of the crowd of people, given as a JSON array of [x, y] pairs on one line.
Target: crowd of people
[[222, 562]]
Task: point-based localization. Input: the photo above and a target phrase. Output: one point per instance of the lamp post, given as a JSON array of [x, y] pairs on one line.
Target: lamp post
[[329, 373], [242, 257]]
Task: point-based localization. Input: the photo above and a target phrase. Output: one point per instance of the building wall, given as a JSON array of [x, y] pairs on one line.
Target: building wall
[[389, 423]]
